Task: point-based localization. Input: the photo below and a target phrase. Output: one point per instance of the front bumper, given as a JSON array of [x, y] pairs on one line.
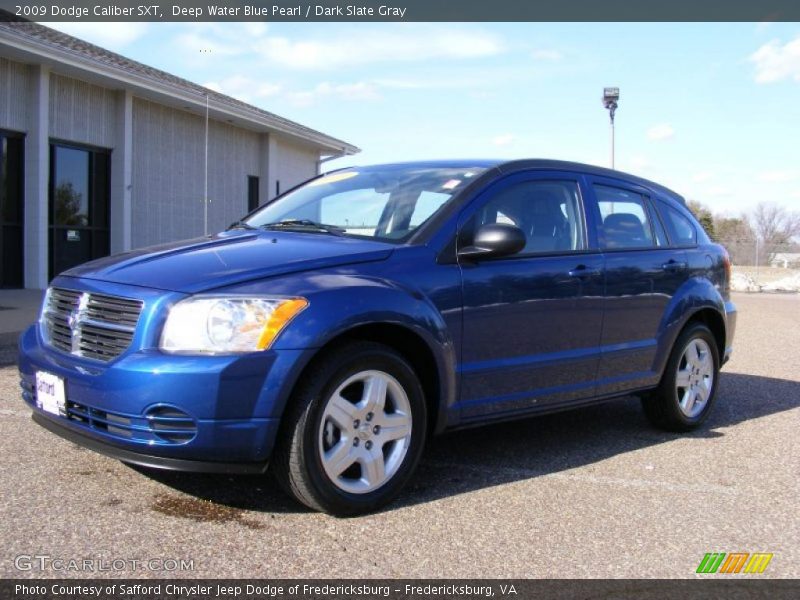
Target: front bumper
[[228, 407], [145, 460]]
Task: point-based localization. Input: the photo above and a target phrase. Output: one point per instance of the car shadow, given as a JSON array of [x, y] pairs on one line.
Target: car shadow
[[472, 459]]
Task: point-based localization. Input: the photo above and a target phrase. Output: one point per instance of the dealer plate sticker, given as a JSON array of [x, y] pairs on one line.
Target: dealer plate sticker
[[50, 395]]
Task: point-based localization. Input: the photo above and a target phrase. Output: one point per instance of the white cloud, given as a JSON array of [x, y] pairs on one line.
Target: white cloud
[[109, 35], [718, 191], [762, 26], [251, 28], [430, 83], [244, 88], [195, 42], [662, 131], [451, 75], [218, 39], [775, 61], [404, 43], [545, 54], [359, 91], [703, 176], [503, 140], [397, 45], [639, 164], [777, 176]]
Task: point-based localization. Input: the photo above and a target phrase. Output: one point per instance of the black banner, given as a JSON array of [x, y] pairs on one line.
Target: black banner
[[729, 588], [406, 10]]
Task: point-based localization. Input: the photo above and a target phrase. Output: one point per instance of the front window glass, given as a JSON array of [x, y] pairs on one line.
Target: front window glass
[[547, 212], [386, 203]]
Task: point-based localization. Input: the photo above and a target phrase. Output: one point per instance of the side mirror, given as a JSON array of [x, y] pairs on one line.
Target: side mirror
[[493, 240]]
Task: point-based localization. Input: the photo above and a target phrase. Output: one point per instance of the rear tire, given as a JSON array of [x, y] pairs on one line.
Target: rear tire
[[688, 388], [353, 432]]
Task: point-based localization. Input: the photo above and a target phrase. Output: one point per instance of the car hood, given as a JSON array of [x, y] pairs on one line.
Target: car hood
[[228, 258]]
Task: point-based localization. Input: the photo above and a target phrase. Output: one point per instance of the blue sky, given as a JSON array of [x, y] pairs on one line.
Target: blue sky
[[711, 110]]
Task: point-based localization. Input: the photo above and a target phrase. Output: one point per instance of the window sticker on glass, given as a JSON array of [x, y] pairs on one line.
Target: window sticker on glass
[[451, 185], [333, 178]]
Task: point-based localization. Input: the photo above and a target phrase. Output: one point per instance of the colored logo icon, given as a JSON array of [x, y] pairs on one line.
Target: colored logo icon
[[735, 562]]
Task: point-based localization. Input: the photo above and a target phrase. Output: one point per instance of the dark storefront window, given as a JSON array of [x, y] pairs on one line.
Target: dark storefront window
[[252, 193], [79, 206], [11, 210]]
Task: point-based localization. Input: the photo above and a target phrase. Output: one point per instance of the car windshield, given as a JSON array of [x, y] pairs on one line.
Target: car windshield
[[383, 203]]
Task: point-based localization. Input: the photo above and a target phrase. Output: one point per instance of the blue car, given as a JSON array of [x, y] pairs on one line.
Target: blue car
[[329, 333]]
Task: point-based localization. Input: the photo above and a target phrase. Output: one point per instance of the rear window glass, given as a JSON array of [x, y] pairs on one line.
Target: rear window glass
[[624, 217]]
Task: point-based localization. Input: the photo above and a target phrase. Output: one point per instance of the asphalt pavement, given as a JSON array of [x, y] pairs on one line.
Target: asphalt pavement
[[590, 493]]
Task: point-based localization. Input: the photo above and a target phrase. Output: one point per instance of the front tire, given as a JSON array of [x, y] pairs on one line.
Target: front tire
[[686, 394], [353, 432]]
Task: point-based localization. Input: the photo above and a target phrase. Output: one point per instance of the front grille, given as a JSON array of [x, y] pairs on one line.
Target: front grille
[[96, 326], [162, 425]]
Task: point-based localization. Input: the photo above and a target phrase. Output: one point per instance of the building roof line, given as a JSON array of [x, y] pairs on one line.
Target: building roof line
[[62, 48]]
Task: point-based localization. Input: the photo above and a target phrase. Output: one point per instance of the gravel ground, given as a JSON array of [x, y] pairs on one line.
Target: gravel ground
[[591, 493]]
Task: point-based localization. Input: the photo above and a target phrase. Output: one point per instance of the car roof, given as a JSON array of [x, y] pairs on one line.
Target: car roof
[[511, 166], [564, 165], [432, 164]]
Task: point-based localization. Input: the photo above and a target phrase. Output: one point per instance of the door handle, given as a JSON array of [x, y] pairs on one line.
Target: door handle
[[674, 265], [582, 271]]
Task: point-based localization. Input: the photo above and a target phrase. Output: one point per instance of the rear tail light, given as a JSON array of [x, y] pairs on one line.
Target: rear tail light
[[726, 262]]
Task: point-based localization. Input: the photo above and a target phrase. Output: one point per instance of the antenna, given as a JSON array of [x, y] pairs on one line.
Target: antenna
[[205, 177]]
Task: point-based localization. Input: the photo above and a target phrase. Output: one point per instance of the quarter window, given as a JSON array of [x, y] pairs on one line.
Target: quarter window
[[624, 218], [680, 227]]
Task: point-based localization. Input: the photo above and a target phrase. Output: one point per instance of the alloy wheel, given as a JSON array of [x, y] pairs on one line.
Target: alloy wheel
[[695, 378], [365, 431]]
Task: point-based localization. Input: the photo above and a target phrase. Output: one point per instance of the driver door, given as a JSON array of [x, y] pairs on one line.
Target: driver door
[[531, 321]]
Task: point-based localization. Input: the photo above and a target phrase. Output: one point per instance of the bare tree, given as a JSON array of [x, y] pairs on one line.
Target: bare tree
[[704, 216], [738, 237], [774, 227]]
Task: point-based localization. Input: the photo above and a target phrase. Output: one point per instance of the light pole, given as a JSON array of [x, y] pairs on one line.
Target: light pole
[[205, 178], [610, 100]]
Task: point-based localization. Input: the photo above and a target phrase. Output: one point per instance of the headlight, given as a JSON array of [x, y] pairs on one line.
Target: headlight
[[225, 324]]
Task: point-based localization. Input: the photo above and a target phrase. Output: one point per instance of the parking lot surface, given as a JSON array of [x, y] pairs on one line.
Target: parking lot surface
[[591, 493]]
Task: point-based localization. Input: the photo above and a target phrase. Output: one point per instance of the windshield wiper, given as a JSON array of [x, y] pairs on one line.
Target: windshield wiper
[[305, 225], [240, 225]]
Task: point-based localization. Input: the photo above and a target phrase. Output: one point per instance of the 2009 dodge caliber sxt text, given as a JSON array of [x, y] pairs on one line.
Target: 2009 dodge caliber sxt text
[[330, 332]]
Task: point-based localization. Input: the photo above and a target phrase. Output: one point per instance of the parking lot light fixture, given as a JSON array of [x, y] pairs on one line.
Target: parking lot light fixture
[[610, 102]]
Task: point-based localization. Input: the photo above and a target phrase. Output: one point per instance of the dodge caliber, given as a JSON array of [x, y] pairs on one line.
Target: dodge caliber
[[331, 332]]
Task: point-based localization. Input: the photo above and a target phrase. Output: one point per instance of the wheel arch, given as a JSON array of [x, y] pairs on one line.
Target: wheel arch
[[411, 346], [697, 301], [432, 361], [711, 318]]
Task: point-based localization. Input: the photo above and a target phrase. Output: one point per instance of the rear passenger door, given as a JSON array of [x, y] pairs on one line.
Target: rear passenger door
[[642, 275]]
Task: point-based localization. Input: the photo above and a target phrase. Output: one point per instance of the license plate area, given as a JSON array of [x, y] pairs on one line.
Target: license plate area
[[50, 394]]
